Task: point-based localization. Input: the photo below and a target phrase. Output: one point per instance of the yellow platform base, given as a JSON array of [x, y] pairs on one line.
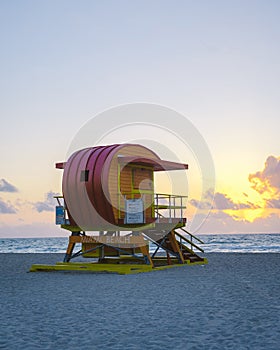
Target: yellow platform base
[[122, 269]]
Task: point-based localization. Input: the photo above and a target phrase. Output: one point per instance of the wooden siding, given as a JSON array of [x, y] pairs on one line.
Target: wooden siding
[[120, 181]]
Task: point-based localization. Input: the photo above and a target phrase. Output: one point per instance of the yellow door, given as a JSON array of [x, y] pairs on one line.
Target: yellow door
[[138, 182]]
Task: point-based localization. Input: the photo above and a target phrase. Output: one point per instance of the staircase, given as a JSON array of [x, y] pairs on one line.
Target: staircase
[[175, 247]]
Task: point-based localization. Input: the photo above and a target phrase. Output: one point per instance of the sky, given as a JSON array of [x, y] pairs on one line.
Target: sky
[[215, 62]]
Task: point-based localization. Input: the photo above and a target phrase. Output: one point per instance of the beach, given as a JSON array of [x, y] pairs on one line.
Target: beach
[[231, 303]]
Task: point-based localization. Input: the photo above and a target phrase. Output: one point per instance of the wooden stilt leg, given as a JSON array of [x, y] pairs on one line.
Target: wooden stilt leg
[[175, 246], [145, 251], [69, 251], [168, 258]]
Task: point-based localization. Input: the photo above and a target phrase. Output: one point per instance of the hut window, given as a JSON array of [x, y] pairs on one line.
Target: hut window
[[84, 175]]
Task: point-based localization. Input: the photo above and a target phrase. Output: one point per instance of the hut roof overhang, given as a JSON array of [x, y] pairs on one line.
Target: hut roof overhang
[[156, 164]]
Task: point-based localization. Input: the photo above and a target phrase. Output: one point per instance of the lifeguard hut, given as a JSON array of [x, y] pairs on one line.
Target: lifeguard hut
[[110, 207]]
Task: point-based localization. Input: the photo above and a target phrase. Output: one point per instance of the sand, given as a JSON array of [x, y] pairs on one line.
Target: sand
[[232, 303]]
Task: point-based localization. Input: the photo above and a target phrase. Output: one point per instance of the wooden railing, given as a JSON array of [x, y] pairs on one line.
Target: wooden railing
[[190, 239], [169, 205], [163, 205]]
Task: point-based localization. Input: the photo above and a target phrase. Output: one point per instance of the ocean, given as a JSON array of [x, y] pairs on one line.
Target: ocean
[[222, 243]]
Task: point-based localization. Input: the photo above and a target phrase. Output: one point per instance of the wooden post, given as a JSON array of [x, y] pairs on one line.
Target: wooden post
[[145, 251], [169, 262], [70, 248], [175, 246]]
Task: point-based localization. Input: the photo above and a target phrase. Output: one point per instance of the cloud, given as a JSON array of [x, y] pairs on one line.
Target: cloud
[[221, 222], [267, 182], [268, 178], [271, 223], [48, 204], [200, 204], [206, 201], [273, 203], [221, 201], [5, 186], [7, 208]]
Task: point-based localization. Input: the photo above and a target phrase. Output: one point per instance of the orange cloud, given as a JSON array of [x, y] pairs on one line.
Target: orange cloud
[[229, 215], [267, 182]]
